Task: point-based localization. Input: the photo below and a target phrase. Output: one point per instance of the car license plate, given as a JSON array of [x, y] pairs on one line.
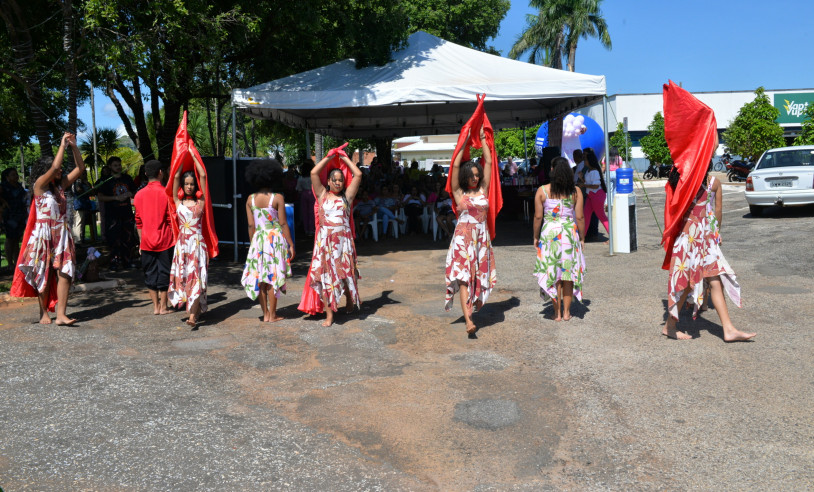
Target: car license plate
[[782, 183]]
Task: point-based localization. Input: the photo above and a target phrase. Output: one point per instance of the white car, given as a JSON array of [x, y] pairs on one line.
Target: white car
[[784, 177]]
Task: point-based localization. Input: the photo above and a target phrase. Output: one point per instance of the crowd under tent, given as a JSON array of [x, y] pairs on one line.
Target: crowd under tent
[[429, 87]]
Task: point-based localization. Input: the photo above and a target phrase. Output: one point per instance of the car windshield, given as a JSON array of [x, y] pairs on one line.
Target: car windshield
[[787, 158]]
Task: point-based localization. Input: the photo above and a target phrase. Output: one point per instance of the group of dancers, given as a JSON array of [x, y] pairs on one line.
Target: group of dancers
[[175, 263]]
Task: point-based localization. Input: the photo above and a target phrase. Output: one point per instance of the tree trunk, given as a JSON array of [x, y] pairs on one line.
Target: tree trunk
[[166, 138], [384, 152], [572, 56], [319, 152], [134, 102], [70, 64]]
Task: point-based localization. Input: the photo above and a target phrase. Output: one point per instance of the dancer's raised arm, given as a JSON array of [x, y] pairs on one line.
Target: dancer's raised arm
[[316, 183], [353, 187], [487, 163], [41, 185], [201, 170], [77, 158]]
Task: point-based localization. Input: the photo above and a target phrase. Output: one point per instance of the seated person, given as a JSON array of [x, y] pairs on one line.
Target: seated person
[[364, 210], [444, 214], [388, 206], [413, 207]]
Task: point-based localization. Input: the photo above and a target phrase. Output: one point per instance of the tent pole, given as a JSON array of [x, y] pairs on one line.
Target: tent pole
[[307, 145], [608, 198], [525, 149], [234, 177]]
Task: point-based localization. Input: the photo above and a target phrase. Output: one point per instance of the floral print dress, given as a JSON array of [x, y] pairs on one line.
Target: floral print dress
[[559, 252], [333, 264], [190, 262], [51, 242], [697, 255], [267, 261], [470, 259]]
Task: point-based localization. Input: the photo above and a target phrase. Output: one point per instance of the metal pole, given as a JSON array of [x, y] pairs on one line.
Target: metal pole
[[22, 162], [307, 145], [234, 176], [607, 175], [525, 148], [93, 119]]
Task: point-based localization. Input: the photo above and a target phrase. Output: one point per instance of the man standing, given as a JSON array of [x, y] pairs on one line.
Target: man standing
[[116, 194], [156, 240]]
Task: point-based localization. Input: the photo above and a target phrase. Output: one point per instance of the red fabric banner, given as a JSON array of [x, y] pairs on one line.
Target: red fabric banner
[[692, 136], [181, 158], [21, 288], [472, 128]]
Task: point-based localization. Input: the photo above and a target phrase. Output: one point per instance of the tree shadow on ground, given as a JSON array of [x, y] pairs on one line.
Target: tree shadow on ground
[[578, 309], [490, 314]]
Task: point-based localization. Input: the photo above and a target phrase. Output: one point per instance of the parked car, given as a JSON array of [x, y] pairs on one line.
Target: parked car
[[783, 176]]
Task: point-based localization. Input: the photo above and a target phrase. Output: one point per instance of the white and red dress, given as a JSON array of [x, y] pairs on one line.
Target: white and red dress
[[190, 261], [51, 242]]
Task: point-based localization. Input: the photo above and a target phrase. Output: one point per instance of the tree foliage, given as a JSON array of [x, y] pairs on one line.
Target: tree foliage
[[806, 136], [620, 140], [654, 145], [552, 35], [755, 129], [509, 142]]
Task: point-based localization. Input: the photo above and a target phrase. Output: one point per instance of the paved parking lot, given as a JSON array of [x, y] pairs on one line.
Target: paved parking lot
[[396, 397]]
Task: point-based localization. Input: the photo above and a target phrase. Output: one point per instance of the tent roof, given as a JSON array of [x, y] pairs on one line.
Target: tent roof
[[428, 88]]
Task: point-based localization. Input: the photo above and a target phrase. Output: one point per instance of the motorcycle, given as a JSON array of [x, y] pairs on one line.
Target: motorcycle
[[657, 172], [739, 170]]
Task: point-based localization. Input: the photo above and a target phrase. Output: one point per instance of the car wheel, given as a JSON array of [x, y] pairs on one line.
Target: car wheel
[[756, 210]]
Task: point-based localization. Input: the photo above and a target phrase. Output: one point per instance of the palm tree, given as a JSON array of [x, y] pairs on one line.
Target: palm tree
[[557, 28], [107, 143]]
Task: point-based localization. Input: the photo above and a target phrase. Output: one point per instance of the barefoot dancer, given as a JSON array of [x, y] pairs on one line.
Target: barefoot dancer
[[156, 240], [558, 236], [267, 264], [190, 261], [693, 216], [470, 265], [48, 254], [333, 265]]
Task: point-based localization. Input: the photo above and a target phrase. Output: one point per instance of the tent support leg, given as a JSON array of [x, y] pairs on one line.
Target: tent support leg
[[234, 177], [608, 198]]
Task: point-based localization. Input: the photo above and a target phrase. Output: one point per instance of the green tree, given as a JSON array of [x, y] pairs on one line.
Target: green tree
[[509, 142], [806, 136], [466, 22], [654, 145], [553, 34], [755, 129], [620, 140]]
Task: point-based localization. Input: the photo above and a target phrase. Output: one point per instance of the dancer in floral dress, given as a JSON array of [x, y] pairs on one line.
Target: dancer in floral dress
[[333, 264], [470, 265], [559, 229], [267, 264], [696, 256], [190, 261], [48, 254]]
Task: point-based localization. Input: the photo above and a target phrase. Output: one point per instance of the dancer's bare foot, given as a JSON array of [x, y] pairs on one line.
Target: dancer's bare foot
[[273, 318], [566, 318], [327, 323], [675, 334], [64, 321], [191, 321], [557, 316], [164, 311], [329, 317], [471, 328], [734, 335], [45, 320]]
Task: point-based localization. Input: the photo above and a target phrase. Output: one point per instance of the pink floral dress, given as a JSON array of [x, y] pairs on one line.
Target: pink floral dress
[[559, 252], [697, 255], [333, 264], [267, 261], [51, 242], [470, 259], [190, 261]]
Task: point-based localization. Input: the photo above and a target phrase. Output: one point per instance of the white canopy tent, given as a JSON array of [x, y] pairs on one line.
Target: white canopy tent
[[430, 87]]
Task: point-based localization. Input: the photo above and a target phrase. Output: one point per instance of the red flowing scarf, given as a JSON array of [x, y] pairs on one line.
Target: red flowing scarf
[[692, 135], [310, 303], [471, 129], [19, 286], [181, 158]]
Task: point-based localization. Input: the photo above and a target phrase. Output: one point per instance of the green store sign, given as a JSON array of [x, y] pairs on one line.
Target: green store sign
[[793, 107]]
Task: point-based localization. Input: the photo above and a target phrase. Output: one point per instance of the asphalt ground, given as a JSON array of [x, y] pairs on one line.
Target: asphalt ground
[[396, 397]]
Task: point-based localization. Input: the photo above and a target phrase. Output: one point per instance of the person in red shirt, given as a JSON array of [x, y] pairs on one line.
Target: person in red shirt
[[156, 241]]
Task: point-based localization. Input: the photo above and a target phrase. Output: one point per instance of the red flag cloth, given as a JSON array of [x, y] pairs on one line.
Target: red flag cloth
[[181, 158], [472, 128], [692, 135], [310, 303], [19, 286]]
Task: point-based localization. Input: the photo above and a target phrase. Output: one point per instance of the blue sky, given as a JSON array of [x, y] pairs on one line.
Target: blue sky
[[713, 45]]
